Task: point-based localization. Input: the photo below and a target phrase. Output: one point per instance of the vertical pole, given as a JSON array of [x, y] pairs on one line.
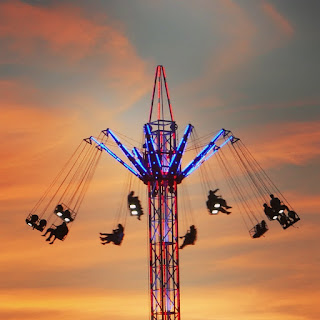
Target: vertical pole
[[163, 229]]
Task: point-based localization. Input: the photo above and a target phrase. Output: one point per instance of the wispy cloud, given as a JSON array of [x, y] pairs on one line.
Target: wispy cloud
[[288, 143], [283, 24], [91, 46]]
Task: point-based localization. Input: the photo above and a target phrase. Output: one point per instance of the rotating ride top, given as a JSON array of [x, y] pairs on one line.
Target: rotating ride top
[[158, 164]]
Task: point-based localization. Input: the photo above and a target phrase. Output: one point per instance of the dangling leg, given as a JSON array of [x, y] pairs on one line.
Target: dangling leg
[[224, 210], [51, 234], [53, 240], [106, 239], [48, 230]]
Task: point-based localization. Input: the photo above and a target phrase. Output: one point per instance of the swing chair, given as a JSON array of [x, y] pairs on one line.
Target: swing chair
[[67, 191], [215, 203], [253, 188], [187, 218], [234, 172], [33, 221], [134, 206]]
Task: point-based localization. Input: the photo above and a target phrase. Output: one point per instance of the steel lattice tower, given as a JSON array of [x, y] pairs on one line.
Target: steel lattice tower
[[159, 167], [163, 210]]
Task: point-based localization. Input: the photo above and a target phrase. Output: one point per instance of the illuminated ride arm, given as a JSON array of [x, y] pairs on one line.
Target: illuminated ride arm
[[205, 153], [136, 162], [153, 157], [176, 159], [105, 148]]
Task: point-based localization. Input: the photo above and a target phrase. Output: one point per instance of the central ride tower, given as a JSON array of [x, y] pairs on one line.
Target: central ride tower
[[160, 151]]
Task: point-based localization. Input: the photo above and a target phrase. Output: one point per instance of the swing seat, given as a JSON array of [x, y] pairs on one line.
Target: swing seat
[[41, 225], [258, 230], [32, 220], [58, 233], [288, 221], [118, 239], [64, 213]]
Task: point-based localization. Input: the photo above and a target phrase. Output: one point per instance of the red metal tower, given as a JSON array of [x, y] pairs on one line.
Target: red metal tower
[[163, 209]]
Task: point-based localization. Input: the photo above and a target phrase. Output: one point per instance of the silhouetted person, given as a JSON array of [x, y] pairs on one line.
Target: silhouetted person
[[260, 229], [263, 225], [116, 236], [130, 196], [283, 220], [135, 205], [58, 232], [59, 208], [270, 213], [292, 215], [190, 237], [213, 198], [276, 205], [257, 230], [41, 225], [32, 221]]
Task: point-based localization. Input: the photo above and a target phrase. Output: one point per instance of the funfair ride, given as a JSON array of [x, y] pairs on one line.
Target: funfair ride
[[158, 165]]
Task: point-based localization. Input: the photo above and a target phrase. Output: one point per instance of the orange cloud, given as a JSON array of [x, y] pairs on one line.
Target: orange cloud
[[62, 35], [63, 28], [70, 304], [288, 143]]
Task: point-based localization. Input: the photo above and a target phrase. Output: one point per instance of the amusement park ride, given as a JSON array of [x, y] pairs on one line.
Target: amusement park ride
[[158, 164]]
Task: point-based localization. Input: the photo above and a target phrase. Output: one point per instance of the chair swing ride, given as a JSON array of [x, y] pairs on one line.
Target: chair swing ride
[[158, 164]]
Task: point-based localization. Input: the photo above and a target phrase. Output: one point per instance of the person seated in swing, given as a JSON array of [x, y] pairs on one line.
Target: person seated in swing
[[276, 205], [293, 216], [213, 198], [284, 220], [32, 221], [58, 232], [41, 225], [134, 205], [190, 237], [260, 229], [116, 236], [270, 213]]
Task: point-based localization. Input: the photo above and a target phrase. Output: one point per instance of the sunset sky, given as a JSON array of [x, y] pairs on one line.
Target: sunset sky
[[69, 69]]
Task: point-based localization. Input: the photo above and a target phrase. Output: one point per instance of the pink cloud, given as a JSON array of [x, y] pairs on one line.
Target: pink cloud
[[280, 21]]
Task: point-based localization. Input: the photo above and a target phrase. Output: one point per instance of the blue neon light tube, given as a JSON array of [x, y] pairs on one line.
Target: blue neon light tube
[[209, 156], [101, 145], [202, 154], [142, 170], [180, 150], [150, 143]]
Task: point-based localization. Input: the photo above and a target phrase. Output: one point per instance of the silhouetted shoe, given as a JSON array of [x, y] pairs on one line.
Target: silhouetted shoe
[[43, 235], [51, 242], [47, 239], [227, 207], [228, 212]]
